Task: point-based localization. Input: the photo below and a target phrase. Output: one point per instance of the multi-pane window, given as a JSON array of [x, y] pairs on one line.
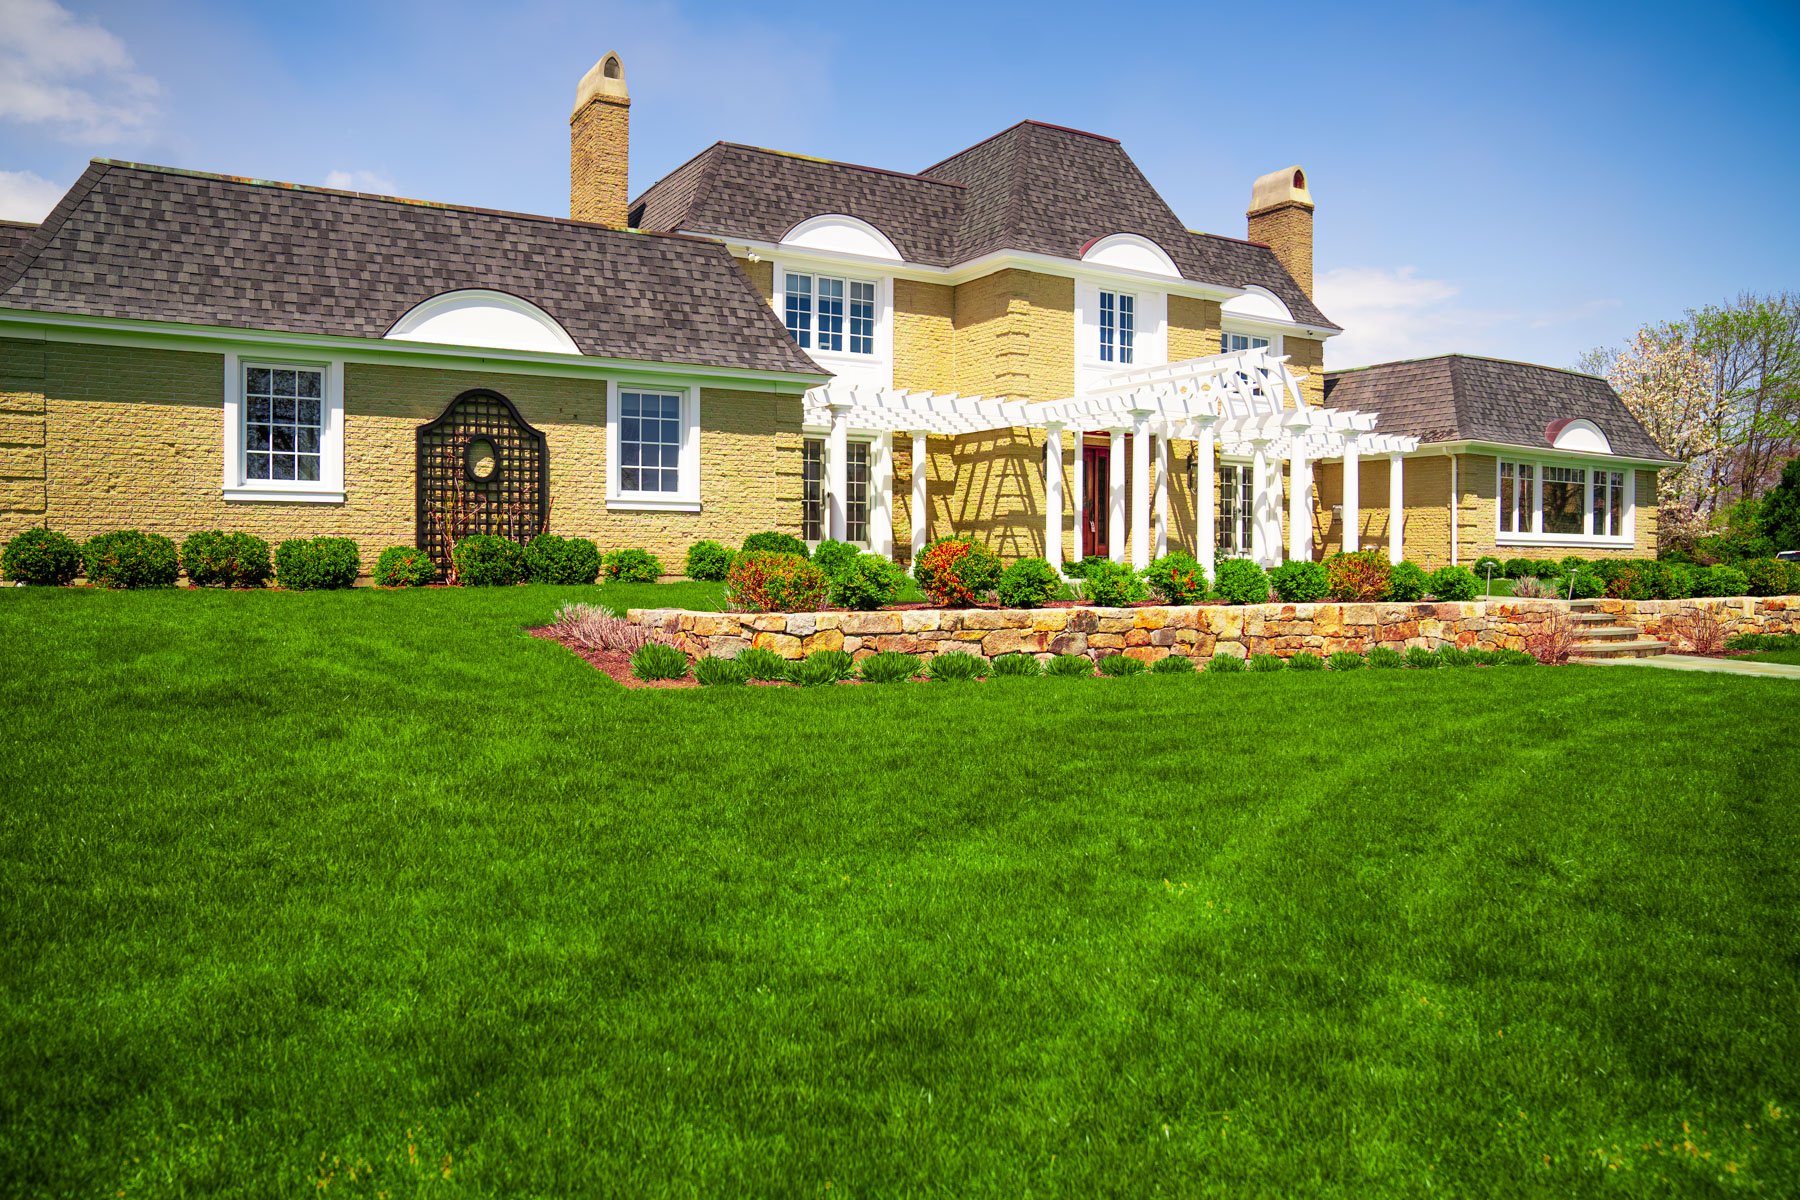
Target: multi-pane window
[[1516, 491], [812, 493], [1118, 327], [1235, 498], [1230, 343], [816, 309], [1609, 503], [1564, 498], [283, 422], [1538, 500], [856, 492], [649, 442]]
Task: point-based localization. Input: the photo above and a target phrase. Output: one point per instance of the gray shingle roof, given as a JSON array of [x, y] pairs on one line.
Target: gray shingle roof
[[159, 244], [1458, 397], [1034, 188], [13, 234]]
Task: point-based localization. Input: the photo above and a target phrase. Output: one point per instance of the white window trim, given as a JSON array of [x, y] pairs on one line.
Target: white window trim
[[881, 484], [876, 368], [687, 499], [1246, 329], [328, 488], [1150, 338], [1535, 536]]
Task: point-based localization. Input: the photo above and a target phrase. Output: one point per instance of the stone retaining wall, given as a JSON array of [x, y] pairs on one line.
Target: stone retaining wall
[[1197, 632]]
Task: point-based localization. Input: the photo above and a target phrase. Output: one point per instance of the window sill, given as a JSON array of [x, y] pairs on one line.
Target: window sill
[[652, 504], [1563, 539], [282, 495]]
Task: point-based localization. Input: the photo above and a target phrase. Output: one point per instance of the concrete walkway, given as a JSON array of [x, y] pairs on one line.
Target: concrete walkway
[[1684, 662]]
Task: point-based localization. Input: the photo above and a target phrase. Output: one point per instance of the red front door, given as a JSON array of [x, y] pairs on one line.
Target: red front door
[[1096, 470]]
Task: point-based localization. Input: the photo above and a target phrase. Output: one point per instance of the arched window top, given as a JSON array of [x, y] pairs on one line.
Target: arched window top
[[612, 69], [1257, 304], [1130, 252], [1579, 434], [838, 233], [488, 319]]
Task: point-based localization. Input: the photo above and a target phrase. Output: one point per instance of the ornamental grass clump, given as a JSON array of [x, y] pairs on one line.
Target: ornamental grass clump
[[1241, 581], [220, 559], [1174, 664], [1455, 583], [1028, 583], [820, 668], [1299, 582], [553, 559], [713, 671], [1121, 664], [595, 627], [1358, 577], [890, 666], [1225, 664], [1530, 587], [956, 572], [956, 666], [1112, 585], [1346, 660], [1306, 660], [1453, 656], [486, 560], [404, 566], [1423, 659], [867, 582], [1070, 666], [1017, 666], [659, 661], [1384, 658], [41, 558], [1513, 658], [708, 561], [765, 581], [1176, 578], [632, 565], [1267, 662], [764, 665], [832, 556], [131, 559]]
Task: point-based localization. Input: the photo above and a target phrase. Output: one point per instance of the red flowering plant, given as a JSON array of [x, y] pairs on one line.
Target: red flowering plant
[[766, 581], [956, 572], [1176, 578], [1361, 576]]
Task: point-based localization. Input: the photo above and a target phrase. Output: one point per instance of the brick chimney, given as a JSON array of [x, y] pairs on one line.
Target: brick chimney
[[1281, 215], [599, 145]]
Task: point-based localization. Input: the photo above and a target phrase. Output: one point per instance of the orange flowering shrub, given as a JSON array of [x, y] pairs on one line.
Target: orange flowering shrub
[[1362, 576], [956, 572], [765, 581]]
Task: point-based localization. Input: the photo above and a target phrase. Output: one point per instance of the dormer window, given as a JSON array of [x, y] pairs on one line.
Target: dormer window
[[1118, 327], [830, 314]]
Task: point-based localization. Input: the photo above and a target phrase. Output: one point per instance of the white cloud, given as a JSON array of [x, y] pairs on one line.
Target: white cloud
[[27, 197], [362, 181], [71, 76]]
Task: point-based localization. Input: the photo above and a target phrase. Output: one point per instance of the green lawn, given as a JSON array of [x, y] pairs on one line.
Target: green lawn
[[371, 894], [1790, 657]]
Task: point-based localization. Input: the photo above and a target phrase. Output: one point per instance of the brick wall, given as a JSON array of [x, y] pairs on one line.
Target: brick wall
[[599, 141], [23, 465]]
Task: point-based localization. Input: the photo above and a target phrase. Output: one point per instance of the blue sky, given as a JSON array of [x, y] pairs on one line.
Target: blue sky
[[1523, 180]]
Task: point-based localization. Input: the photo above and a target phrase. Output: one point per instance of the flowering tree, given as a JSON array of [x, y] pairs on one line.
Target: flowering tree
[[1667, 383]]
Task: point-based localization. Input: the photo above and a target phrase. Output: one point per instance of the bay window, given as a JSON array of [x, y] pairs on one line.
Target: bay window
[[1553, 502]]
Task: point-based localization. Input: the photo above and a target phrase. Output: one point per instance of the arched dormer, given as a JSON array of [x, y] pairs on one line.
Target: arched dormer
[[488, 319], [836, 233], [1257, 304], [1130, 252], [1578, 434]]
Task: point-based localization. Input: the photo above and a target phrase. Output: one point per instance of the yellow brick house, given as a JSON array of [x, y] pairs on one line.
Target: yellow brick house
[[1021, 342]]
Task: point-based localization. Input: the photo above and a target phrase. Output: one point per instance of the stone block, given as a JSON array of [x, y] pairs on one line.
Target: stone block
[[802, 624], [1012, 641], [915, 620], [1106, 641], [783, 644], [1150, 618], [1069, 643], [824, 639], [1049, 620], [865, 623]]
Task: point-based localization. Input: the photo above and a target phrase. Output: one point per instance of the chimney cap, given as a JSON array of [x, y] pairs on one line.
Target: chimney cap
[[1286, 186], [604, 78]]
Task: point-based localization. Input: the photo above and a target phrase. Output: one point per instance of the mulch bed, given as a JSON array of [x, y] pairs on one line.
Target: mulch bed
[[615, 663]]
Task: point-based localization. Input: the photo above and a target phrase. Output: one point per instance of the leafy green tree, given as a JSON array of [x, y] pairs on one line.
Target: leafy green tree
[[1780, 513]]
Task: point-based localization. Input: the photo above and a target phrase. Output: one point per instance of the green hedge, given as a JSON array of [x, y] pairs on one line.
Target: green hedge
[[130, 558], [42, 557]]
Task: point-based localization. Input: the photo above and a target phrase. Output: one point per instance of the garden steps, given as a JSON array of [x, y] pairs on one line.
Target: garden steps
[[1604, 637]]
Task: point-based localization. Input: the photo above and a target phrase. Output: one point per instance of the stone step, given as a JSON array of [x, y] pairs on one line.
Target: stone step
[[1611, 633], [1591, 618], [1583, 605], [1643, 648]]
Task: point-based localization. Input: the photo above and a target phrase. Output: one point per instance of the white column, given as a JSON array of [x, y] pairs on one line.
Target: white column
[[1259, 500], [837, 460], [1053, 494], [921, 512], [1162, 495], [1140, 492], [1080, 497], [1396, 508], [1206, 501], [1352, 494], [1299, 507], [1115, 497]]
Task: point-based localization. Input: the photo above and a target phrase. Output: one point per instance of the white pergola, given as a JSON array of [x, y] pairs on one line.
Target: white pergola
[[1244, 404]]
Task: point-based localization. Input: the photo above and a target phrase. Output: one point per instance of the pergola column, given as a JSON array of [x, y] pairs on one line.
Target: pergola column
[[1396, 508], [1080, 497], [1352, 494], [1140, 489], [837, 462], [1259, 500], [1053, 493], [921, 512], [1299, 492], [1206, 502], [1162, 495], [1115, 497]]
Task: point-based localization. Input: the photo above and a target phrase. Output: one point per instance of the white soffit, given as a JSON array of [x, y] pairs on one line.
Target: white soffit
[[835, 233], [1131, 252], [1257, 304], [478, 317]]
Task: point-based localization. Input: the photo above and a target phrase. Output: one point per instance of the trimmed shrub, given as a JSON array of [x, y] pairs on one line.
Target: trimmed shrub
[[42, 557], [1585, 584], [1643, 579], [1267, 662], [866, 582], [220, 559], [1519, 568], [1226, 663], [761, 581], [659, 661], [553, 559], [764, 666], [1548, 568], [708, 561], [632, 565], [1112, 585], [1455, 583], [1407, 582], [890, 666], [404, 566], [832, 556], [1486, 563], [1175, 664], [1028, 583], [1242, 582], [1079, 569], [1346, 660], [773, 543], [1719, 581], [1121, 664], [819, 668], [1298, 582], [130, 558], [1384, 658], [1770, 577], [1571, 562], [1359, 577], [306, 564], [1017, 666], [1176, 578], [484, 560], [1306, 660], [713, 671], [1419, 656], [956, 666], [1070, 666], [956, 572]]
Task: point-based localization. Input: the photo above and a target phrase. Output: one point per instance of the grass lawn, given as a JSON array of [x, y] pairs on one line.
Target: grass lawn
[[371, 894], [1791, 657]]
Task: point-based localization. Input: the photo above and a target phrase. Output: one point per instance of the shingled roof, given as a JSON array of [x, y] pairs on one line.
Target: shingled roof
[[1461, 398], [13, 234], [1034, 188], [155, 243]]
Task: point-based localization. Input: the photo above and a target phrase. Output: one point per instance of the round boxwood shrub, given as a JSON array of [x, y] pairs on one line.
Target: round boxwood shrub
[[833, 556], [1487, 563], [1521, 568], [305, 564], [1028, 583], [553, 559], [220, 559], [1176, 578], [1241, 581], [764, 581], [487, 560], [1113, 585], [404, 566], [1079, 568], [708, 561], [129, 558], [1359, 577], [1407, 582], [774, 543], [956, 572], [1585, 584], [1455, 583], [1299, 582], [632, 565], [42, 557], [866, 582]]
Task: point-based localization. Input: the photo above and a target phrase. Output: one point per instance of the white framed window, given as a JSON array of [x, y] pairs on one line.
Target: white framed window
[[653, 448], [1562, 503], [1118, 327], [1236, 496], [284, 429], [829, 313], [858, 494], [1230, 341]]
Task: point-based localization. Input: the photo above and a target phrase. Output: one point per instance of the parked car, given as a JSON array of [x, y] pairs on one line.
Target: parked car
[[1789, 556]]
